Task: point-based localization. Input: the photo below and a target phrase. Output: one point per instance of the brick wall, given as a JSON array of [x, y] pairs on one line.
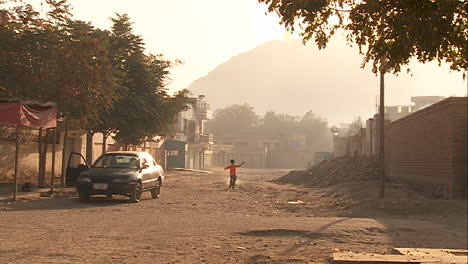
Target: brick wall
[[429, 147], [369, 138], [340, 146]]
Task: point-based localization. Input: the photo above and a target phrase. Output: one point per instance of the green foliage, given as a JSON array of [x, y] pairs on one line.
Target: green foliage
[[388, 32], [102, 80], [143, 109], [354, 127], [233, 119], [241, 120], [55, 59]]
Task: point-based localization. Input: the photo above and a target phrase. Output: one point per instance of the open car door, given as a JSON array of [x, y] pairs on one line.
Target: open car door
[[73, 171]]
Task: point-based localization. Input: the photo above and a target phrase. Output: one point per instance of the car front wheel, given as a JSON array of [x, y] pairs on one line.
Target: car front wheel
[[135, 195]]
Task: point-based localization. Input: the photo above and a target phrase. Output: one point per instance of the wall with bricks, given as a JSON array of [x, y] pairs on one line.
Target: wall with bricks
[[429, 147], [369, 138], [340, 146]]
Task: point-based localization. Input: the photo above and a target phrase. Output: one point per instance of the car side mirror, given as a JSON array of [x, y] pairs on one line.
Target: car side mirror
[[145, 166]]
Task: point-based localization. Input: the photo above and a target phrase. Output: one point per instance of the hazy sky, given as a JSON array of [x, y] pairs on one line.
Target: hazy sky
[[203, 33], [206, 33]]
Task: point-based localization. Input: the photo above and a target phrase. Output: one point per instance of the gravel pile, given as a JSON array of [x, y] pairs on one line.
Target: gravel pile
[[335, 171]]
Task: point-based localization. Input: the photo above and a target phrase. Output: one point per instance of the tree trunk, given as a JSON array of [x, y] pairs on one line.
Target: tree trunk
[[104, 143], [43, 160], [89, 147]]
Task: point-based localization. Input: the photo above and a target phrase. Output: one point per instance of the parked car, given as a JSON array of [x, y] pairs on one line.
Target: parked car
[[122, 172]]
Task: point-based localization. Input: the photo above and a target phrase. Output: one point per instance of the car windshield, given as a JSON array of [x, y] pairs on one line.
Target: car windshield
[[129, 161]]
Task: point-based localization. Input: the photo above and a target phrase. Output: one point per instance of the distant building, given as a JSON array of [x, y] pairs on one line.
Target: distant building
[[190, 146], [277, 150], [396, 112], [421, 102]]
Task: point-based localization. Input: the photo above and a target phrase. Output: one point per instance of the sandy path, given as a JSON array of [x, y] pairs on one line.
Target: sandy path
[[197, 220]]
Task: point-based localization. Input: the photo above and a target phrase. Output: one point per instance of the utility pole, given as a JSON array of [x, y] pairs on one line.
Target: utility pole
[[381, 137]]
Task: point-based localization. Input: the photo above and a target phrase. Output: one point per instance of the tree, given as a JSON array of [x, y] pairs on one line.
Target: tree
[[144, 109], [388, 32], [274, 123], [55, 59], [233, 119], [354, 127], [102, 80]]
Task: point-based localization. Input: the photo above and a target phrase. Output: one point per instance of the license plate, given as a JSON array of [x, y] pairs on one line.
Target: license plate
[[100, 186]]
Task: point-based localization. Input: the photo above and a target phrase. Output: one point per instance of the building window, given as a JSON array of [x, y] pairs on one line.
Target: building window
[[410, 109], [399, 109], [173, 153]]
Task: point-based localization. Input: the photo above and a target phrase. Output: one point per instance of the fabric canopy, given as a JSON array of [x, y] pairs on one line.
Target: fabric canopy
[[31, 115]]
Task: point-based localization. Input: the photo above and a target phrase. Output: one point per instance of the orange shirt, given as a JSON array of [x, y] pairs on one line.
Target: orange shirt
[[232, 169]]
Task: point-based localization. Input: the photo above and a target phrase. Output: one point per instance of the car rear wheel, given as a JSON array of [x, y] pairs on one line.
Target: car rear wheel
[[135, 195], [83, 196], [157, 190]]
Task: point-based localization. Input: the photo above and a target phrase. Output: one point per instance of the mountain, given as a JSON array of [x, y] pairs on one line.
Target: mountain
[[288, 77]]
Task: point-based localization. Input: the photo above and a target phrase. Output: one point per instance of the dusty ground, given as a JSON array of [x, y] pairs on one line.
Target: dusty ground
[[197, 220]]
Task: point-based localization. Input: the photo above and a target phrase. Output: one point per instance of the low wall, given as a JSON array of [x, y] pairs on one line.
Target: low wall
[[429, 148]]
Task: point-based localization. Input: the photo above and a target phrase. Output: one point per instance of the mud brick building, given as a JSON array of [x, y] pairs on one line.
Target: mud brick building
[[426, 148], [429, 147]]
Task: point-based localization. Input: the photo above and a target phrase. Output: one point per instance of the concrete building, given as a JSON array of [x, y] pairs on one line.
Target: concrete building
[[190, 146], [396, 112], [281, 150]]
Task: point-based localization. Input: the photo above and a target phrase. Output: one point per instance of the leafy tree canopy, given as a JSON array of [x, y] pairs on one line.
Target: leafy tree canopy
[[144, 109], [104, 80], [241, 120], [55, 58], [233, 119], [388, 32], [354, 127]]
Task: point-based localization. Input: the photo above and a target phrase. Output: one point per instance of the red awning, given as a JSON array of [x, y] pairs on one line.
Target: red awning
[[31, 115]]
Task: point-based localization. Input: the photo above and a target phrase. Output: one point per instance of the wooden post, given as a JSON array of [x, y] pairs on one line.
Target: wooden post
[[43, 160], [104, 143], [39, 144], [382, 135], [18, 130], [65, 135], [52, 173]]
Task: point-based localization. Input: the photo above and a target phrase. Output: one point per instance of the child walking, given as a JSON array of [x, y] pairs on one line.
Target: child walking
[[232, 172]]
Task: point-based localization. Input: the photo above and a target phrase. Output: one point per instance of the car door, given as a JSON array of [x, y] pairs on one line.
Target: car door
[[73, 171], [146, 172]]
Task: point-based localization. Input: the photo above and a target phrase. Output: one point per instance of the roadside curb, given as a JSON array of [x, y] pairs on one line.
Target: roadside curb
[[37, 192]]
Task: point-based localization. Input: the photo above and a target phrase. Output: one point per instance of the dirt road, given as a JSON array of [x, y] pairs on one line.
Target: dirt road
[[197, 220]]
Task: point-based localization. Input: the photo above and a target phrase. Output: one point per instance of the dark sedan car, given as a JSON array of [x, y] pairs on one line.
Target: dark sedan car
[[125, 173]]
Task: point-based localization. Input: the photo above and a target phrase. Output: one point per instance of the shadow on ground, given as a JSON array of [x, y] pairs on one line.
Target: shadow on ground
[[62, 203]]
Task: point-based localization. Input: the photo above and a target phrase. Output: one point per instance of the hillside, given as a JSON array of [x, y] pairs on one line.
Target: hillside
[[289, 77]]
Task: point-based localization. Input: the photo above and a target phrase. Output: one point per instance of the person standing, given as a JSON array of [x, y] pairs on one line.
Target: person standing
[[232, 172]]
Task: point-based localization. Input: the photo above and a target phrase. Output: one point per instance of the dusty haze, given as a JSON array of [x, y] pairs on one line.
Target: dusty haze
[[289, 77]]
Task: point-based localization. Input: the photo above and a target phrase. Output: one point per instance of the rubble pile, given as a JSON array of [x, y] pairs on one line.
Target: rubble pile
[[335, 171]]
